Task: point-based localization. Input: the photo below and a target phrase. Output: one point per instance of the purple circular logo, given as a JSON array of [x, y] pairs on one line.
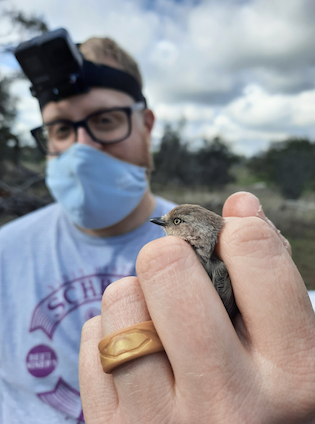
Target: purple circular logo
[[41, 361]]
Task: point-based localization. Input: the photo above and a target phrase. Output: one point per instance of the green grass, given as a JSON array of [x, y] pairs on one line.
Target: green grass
[[243, 176]]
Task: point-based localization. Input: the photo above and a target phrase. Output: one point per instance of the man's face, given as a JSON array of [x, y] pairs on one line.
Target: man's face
[[135, 149]]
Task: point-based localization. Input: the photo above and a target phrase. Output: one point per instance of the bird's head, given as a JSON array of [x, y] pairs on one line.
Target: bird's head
[[193, 223]]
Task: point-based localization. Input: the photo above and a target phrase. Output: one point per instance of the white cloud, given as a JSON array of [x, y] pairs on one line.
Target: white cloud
[[241, 69], [190, 112], [164, 54], [252, 33], [259, 109], [256, 108]]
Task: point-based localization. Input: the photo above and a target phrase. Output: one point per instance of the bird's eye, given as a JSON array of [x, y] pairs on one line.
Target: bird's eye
[[177, 221]]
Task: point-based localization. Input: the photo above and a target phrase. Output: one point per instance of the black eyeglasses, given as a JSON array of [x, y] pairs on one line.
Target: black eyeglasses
[[104, 126]]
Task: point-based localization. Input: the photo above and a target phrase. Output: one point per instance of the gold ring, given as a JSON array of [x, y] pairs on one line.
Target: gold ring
[[127, 344]]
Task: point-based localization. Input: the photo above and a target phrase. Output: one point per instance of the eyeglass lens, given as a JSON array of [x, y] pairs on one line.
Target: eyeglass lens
[[107, 127]]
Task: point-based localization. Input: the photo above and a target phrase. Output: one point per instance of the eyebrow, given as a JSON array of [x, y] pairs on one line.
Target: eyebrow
[[59, 118]]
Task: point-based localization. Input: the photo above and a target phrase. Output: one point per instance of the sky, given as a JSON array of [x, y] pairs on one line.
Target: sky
[[243, 70]]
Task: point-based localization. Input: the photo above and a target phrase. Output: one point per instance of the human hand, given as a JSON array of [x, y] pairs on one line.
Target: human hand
[[264, 372]]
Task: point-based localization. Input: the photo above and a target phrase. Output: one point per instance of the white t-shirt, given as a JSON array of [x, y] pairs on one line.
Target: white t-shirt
[[52, 277]]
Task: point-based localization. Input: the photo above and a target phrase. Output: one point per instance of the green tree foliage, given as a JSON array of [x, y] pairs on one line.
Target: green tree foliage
[[213, 163], [22, 27], [176, 164], [289, 165], [169, 160], [7, 115], [18, 194]]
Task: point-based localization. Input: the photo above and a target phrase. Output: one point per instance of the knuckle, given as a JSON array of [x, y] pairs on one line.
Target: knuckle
[[250, 236], [161, 254], [119, 292], [90, 328]]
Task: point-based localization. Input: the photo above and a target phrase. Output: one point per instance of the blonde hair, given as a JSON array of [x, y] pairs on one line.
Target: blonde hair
[[99, 49]]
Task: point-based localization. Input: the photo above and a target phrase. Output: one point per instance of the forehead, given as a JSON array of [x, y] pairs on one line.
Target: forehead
[[78, 107]]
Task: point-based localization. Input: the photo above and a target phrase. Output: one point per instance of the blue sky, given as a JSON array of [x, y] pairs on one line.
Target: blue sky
[[243, 70]]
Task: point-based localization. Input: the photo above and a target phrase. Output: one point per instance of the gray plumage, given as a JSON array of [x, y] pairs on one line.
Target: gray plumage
[[200, 228]]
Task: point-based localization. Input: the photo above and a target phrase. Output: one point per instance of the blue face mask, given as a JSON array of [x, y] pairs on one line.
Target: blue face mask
[[94, 189]]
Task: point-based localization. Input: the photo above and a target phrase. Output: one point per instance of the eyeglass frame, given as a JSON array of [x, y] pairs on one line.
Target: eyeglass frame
[[128, 110]]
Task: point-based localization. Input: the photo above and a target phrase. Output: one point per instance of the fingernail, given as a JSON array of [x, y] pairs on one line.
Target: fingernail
[[285, 243], [260, 213]]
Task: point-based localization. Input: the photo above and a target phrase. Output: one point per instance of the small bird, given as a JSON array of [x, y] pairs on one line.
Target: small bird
[[200, 228]]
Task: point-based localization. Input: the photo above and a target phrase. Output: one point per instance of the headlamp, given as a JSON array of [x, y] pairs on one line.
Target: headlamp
[[57, 70]]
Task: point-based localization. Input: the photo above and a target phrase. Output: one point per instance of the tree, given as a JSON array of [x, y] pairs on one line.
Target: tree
[[16, 181], [22, 27], [206, 167], [171, 160], [213, 162], [7, 116], [289, 165]]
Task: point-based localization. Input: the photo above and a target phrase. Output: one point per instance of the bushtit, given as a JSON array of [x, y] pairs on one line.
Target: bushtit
[[200, 228]]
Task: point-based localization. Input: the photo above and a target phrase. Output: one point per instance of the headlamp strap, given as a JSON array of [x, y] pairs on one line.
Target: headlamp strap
[[93, 75]]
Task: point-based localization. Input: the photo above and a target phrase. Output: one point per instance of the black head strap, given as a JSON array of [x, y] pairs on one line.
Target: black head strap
[[92, 75]]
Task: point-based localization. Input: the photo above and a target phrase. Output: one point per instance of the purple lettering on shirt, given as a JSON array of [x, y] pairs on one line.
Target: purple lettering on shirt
[[88, 288], [51, 310], [69, 294]]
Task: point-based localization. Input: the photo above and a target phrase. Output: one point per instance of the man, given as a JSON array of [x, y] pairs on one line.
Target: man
[[56, 262]]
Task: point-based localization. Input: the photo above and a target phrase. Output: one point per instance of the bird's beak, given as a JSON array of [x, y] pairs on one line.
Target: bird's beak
[[158, 221]]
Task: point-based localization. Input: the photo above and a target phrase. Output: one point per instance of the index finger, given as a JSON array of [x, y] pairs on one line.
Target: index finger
[[268, 288], [189, 316]]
